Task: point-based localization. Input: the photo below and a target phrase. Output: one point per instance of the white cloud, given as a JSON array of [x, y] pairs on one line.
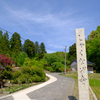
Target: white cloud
[[59, 26]]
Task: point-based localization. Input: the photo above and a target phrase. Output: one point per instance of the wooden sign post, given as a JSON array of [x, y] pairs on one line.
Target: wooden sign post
[[83, 83]]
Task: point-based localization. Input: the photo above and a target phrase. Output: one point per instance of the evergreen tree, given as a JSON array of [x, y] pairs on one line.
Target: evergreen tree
[[1, 42], [6, 43], [42, 48], [72, 52], [15, 41], [37, 47], [29, 48]]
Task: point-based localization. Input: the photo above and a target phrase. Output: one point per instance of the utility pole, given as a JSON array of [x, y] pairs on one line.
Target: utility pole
[[65, 60]]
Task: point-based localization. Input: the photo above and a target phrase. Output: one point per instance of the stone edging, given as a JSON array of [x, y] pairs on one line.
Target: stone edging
[[94, 96]]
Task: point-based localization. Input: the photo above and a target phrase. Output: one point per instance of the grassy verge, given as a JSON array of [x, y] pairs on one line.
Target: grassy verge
[[74, 76], [94, 82], [10, 88], [15, 87]]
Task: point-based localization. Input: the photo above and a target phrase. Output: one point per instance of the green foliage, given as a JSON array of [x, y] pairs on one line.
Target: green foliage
[[32, 71], [4, 43], [56, 66], [98, 29], [15, 38], [49, 68], [16, 74], [94, 53], [15, 43], [37, 48], [94, 34], [21, 58], [7, 73], [36, 78], [25, 70], [93, 48], [61, 69], [54, 62], [42, 48], [14, 48], [29, 48], [72, 52], [28, 62]]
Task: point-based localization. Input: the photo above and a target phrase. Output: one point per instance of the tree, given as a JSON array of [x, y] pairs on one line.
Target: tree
[[42, 48], [98, 29], [1, 42], [94, 34], [29, 48], [7, 73], [72, 52], [5, 61], [94, 53], [6, 43], [21, 58], [37, 49], [15, 41]]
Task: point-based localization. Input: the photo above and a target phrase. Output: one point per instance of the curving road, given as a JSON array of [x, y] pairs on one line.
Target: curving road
[[57, 88]]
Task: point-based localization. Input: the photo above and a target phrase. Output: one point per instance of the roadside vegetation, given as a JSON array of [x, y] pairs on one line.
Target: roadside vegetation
[[26, 56], [55, 62], [94, 82]]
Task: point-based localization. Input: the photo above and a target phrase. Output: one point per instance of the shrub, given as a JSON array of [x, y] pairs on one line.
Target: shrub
[[36, 78], [15, 80], [16, 74], [21, 58], [49, 69], [31, 73], [25, 69], [61, 69], [22, 78], [56, 66]]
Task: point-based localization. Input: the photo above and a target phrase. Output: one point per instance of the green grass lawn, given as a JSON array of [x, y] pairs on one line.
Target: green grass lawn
[[94, 82]]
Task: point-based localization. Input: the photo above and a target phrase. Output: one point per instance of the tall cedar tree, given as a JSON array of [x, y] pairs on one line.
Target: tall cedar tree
[[29, 48], [4, 42], [1, 42], [42, 48], [15, 42], [72, 52], [37, 49]]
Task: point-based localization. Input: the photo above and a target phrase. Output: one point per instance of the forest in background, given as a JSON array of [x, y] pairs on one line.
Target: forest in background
[[26, 56], [33, 59], [92, 49]]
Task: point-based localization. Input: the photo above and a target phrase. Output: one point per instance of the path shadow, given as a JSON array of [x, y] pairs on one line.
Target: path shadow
[[72, 98]]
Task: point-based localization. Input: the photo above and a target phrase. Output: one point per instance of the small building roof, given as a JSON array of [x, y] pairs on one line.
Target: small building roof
[[74, 60]]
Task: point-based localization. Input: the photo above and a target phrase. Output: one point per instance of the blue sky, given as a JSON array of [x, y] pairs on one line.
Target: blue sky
[[50, 21]]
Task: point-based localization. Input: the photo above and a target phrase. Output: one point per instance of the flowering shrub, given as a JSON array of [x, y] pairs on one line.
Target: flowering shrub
[[5, 60]]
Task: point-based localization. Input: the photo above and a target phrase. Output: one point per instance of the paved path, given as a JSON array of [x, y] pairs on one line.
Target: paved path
[[57, 88]]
